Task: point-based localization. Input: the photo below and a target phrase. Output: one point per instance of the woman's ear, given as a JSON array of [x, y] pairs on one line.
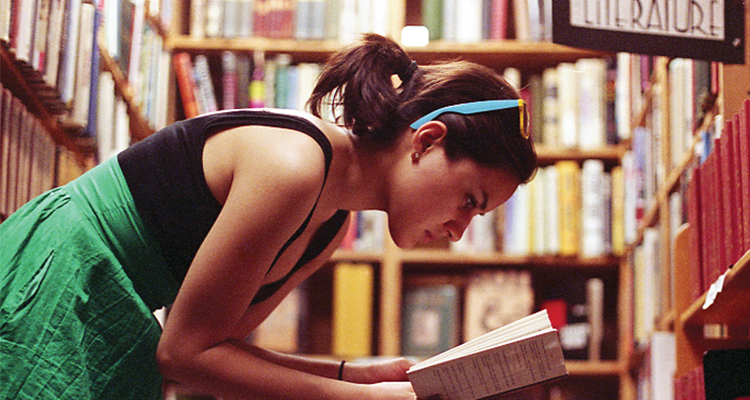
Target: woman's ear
[[429, 134]]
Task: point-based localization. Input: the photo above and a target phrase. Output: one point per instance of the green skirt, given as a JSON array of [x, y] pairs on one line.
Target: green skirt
[[79, 279]]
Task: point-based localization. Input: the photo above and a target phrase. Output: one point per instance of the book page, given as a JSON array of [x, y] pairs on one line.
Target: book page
[[536, 322], [497, 370]]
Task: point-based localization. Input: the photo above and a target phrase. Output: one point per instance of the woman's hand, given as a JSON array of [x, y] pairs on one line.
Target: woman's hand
[[380, 371], [397, 391]]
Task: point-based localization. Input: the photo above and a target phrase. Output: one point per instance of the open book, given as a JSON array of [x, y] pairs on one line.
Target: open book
[[517, 355]]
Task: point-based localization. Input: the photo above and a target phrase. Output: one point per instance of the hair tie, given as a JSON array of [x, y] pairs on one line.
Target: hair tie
[[408, 72]]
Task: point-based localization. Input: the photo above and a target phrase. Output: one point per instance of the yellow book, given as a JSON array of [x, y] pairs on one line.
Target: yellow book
[[352, 309], [569, 173], [618, 211]]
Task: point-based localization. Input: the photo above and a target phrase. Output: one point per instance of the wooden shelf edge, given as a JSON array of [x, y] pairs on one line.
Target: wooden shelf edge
[[432, 256], [440, 256], [356, 256], [595, 368], [731, 304], [613, 153], [525, 55]]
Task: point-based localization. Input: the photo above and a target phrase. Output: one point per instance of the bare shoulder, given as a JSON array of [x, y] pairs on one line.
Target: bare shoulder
[[262, 153]]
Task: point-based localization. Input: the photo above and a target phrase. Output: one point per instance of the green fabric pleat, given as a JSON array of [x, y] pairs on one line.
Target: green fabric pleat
[[79, 279]]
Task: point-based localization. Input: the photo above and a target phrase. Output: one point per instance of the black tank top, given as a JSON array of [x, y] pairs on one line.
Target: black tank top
[[165, 176]]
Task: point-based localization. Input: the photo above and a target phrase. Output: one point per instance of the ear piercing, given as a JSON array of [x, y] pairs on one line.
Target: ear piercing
[[415, 157]]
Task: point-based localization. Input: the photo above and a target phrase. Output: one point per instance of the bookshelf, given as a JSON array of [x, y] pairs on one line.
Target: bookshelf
[[37, 71], [683, 310]]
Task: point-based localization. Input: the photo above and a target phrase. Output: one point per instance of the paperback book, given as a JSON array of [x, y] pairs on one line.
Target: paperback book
[[521, 354]]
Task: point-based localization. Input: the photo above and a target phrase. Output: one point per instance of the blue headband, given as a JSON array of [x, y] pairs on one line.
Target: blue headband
[[476, 107]]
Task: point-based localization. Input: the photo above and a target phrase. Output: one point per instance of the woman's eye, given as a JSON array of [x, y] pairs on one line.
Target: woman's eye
[[471, 203]]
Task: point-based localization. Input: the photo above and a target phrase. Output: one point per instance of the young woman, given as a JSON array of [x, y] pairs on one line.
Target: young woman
[[222, 215]]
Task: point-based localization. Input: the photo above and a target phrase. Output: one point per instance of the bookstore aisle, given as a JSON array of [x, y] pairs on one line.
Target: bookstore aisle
[[625, 236]]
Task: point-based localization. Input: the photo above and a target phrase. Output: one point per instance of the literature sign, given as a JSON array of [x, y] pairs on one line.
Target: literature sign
[[712, 30]]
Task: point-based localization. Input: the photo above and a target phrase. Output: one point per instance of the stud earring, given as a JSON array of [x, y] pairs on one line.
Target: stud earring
[[415, 157]]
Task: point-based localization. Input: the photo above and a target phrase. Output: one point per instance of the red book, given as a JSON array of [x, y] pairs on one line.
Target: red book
[[743, 131], [499, 19], [694, 219], [736, 169], [717, 225], [183, 68], [706, 215], [726, 182]]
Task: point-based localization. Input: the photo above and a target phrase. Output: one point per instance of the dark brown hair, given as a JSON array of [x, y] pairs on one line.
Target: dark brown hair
[[357, 83]]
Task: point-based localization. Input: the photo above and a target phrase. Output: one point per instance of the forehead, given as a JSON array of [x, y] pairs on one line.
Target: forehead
[[498, 184]]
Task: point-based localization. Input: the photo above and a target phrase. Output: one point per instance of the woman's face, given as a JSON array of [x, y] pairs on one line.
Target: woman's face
[[435, 197]]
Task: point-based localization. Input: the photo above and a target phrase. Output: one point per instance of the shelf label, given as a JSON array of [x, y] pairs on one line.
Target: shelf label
[[711, 30], [714, 291]]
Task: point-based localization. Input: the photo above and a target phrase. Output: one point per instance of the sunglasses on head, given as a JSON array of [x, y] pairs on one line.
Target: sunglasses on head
[[476, 107]]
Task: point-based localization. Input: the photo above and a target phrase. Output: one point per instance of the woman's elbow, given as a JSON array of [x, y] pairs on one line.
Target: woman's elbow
[[171, 360]]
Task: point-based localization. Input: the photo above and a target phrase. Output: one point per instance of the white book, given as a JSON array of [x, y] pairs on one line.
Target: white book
[[567, 92], [25, 32], [517, 355], [468, 17], [593, 218], [379, 15], [592, 107], [205, 85], [5, 6], [449, 20], [82, 96], [105, 108], [623, 110], [54, 41], [122, 126]]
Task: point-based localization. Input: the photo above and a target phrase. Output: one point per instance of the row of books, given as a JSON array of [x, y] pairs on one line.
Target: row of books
[[54, 42], [27, 155], [339, 20], [477, 20], [241, 80], [719, 202], [572, 104], [31, 162], [569, 209], [130, 35], [57, 44], [592, 102], [438, 315]]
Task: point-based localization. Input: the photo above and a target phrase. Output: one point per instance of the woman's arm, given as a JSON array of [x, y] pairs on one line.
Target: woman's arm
[[274, 186], [355, 372]]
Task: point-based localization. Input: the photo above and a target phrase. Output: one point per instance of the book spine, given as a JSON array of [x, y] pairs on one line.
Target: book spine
[[205, 85], [352, 309], [183, 67], [744, 134]]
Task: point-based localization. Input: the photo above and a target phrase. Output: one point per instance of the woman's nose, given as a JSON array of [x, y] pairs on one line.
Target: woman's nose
[[456, 228]]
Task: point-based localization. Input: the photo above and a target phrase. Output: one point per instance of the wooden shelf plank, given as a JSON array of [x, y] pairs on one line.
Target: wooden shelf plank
[[432, 256], [499, 54]]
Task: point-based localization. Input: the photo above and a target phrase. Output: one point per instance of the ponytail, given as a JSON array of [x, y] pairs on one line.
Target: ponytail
[[356, 83]]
